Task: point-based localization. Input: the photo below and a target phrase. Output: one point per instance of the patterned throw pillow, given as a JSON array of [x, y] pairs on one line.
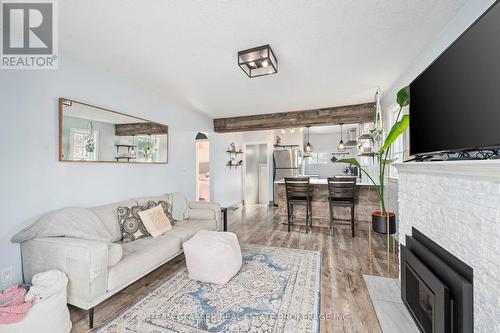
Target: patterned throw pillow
[[131, 225]]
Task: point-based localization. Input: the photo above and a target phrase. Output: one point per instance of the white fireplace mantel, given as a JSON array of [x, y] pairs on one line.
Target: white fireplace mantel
[[457, 205], [486, 170]]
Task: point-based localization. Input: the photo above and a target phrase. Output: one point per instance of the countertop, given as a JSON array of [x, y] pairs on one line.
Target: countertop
[[323, 181]]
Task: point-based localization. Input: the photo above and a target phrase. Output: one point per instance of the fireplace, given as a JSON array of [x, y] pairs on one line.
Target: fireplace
[[436, 287]]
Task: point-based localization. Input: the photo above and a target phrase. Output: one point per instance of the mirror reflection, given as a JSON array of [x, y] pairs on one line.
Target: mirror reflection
[[91, 134]]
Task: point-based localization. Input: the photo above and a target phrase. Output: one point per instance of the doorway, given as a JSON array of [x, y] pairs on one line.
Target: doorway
[[202, 168], [256, 174]]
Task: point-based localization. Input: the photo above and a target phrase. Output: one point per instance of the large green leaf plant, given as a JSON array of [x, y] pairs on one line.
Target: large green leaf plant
[[382, 155]]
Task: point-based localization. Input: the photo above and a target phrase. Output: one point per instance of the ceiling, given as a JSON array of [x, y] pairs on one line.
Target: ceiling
[[330, 52]]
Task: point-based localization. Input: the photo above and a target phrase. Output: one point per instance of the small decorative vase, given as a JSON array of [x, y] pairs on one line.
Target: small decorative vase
[[379, 222]]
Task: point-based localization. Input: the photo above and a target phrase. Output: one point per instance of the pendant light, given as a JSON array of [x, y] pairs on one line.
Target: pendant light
[[308, 148], [341, 146]]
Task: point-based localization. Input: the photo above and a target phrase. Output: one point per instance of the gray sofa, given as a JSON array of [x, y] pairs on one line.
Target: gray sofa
[[96, 269]]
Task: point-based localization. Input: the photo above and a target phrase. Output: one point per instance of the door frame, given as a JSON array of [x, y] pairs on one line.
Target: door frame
[[244, 176], [197, 174]]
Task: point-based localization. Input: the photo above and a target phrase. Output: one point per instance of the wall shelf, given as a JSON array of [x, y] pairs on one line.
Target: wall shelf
[[128, 158], [371, 154], [118, 146], [233, 153], [286, 146], [230, 165]]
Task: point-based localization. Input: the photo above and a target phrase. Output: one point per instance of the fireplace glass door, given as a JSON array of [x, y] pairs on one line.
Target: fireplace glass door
[[420, 299]]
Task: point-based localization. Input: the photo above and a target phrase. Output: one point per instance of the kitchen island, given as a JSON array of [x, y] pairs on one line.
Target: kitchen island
[[366, 202]]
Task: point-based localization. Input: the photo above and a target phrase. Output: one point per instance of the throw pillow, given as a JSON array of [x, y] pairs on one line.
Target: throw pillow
[[155, 220], [167, 208], [131, 225]]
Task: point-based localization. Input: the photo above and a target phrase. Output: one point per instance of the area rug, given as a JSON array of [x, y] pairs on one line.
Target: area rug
[[276, 290]]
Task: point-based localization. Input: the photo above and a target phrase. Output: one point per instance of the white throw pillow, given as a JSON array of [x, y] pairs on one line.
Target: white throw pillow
[[156, 221]]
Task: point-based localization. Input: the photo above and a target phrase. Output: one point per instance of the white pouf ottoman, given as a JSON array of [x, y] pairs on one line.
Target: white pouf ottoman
[[213, 257]]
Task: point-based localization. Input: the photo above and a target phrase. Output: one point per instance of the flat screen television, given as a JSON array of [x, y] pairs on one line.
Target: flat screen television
[[455, 102]]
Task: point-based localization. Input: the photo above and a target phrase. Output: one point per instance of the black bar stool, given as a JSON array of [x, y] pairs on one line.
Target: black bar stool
[[298, 191], [341, 192]]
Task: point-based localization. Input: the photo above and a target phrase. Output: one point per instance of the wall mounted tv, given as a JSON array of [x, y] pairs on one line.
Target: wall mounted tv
[[455, 102]]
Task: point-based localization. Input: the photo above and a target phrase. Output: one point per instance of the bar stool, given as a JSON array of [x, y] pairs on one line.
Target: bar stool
[[298, 191], [341, 192]]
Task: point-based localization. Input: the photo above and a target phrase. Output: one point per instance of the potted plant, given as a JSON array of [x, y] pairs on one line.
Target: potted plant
[[382, 219]]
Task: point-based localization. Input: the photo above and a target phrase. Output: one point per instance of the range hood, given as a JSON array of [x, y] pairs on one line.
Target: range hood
[[351, 139]]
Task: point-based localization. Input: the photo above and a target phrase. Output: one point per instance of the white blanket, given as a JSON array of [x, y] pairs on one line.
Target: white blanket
[[46, 284], [73, 222]]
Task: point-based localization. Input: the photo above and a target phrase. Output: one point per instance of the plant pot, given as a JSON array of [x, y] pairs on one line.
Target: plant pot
[[379, 222]]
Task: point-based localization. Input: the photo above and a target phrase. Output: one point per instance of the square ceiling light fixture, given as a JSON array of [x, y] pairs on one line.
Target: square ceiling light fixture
[[258, 61]]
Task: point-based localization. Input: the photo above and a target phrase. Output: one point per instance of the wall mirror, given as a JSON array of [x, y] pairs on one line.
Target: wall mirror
[[92, 134]]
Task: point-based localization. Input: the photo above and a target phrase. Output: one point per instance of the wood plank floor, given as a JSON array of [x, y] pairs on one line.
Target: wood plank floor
[[345, 303]]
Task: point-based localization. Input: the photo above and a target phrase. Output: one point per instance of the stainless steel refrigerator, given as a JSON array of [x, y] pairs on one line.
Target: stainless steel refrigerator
[[286, 163]]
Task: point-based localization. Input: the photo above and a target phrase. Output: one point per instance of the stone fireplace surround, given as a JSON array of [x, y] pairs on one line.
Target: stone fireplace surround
[[457, 205]]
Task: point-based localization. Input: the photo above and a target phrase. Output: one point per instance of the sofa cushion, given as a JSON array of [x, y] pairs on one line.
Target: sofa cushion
[[187, 228], [141, 257], [115, 253], [202, 214], [183, 233], [196, 225], [107, 214]]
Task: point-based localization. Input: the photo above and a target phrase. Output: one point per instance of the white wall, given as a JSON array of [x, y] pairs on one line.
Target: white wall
[[34, 182], [467, 15], [225, 182]]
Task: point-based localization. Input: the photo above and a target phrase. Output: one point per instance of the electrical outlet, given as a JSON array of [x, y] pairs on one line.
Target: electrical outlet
[[6, 275]]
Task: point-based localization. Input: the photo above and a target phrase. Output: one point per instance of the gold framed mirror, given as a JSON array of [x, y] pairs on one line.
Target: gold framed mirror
[[93, 134]]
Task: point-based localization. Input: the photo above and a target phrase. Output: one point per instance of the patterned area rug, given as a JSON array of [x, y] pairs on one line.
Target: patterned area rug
[[276, 290]]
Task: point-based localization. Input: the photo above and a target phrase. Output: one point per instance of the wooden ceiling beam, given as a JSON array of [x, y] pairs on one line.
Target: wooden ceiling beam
[[351, 114]]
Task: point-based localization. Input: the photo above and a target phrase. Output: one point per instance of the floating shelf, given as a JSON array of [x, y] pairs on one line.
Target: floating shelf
[[230, 165], [286, 146], [236, 152], [372, 154], [125, 146], [365, 137], [128, 158], [232, 158]]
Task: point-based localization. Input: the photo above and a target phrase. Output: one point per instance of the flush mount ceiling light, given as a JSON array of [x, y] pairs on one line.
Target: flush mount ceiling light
[[258, 61]]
